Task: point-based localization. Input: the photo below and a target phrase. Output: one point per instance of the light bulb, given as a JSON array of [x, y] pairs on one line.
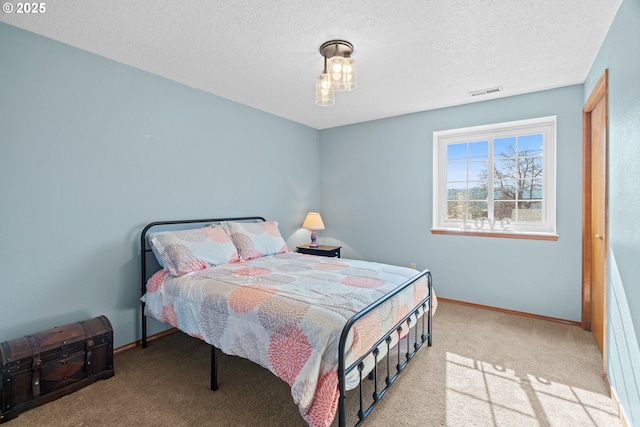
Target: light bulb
[[336, 64]]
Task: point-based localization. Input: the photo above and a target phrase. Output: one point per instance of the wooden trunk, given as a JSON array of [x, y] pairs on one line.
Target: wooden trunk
[[47, 365]]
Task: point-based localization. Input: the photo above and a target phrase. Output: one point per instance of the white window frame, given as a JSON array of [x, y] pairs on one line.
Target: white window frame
[[492, 227]]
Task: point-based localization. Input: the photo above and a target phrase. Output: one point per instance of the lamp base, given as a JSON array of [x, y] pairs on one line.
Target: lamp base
[[313, 243]]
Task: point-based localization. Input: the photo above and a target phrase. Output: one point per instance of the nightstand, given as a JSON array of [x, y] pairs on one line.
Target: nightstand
[[321, 250]]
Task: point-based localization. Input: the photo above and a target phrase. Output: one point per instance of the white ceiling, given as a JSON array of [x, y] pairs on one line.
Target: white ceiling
[[412, 55]]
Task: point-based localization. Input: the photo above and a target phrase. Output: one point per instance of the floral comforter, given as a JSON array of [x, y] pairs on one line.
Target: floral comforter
[[286, 312]]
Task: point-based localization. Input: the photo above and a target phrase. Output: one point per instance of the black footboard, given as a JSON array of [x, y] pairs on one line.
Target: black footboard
[[419, 333]]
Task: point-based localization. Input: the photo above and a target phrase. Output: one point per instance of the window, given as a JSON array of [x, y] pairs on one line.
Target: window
[[497, 180]]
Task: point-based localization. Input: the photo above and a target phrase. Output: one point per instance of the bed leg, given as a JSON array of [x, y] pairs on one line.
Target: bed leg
[[214, 368], [144, 328]]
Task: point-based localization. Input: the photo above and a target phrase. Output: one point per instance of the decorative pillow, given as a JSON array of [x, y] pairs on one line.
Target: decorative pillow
[[256, 239], [184, 251]]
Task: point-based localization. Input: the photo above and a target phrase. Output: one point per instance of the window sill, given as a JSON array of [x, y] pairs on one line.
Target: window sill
[[504, 235]]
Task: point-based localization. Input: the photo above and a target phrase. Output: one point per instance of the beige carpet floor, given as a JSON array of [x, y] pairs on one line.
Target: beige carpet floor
[[485, 368]]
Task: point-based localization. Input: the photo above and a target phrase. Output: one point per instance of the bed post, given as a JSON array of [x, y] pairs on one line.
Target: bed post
[[143, 282], [429, 283], [342, 398], [144, 328]]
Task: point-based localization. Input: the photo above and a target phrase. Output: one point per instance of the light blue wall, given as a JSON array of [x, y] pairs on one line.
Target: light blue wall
[[91, 150], [376, 198], [620, 53]]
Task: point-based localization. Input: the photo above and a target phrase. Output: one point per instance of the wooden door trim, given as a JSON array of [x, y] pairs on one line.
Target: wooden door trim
[[599, 91]]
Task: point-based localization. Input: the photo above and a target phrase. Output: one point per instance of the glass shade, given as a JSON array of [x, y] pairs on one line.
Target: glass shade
[[349, 74], [324, 95], [336, 71]]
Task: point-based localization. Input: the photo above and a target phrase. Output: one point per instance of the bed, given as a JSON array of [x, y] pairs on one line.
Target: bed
[[323, 325]]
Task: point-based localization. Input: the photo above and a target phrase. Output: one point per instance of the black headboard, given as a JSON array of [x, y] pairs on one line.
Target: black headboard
[[149, 264]]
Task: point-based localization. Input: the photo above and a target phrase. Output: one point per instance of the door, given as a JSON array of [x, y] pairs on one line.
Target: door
[[594, 236]]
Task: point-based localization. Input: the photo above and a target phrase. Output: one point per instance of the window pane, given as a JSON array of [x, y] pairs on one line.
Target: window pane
[[504, 190], [457, 191], [504, 147], [530, 167], [530, 145], [457, 172], [504, 169], [477, 190], [456, 152], [456, 210], [477, 210], [478, 150], [477, 171], [531, 189], [530, 211], [503, 210]]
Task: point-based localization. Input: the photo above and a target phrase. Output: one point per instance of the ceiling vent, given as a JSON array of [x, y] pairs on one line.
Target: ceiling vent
[[486, 91]]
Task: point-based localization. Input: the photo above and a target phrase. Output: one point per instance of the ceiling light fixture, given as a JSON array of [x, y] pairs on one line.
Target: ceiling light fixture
[[339, 72]]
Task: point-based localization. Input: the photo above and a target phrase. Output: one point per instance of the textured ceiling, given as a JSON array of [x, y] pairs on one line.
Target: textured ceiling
[[412, 55]]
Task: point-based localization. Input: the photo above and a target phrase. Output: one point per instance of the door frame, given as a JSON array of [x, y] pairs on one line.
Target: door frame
[[601, 90]]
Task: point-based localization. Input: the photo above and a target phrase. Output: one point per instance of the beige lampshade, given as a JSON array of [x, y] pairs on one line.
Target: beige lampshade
[[313, 221]]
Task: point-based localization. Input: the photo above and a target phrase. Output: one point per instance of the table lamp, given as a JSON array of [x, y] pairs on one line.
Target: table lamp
[[313, 222]]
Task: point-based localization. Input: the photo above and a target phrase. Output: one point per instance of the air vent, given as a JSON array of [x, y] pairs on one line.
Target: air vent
[[486, 91]]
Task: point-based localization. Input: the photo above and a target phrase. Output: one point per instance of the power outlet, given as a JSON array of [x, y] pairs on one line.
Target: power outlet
[[412, 265]]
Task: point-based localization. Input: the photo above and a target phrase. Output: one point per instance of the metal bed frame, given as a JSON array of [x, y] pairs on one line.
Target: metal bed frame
[[407, 347]]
